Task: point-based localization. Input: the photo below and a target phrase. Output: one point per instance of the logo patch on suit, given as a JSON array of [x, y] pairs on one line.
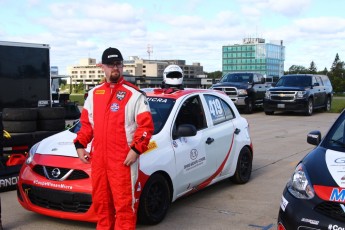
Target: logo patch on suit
[[120, 95], [114, 107], [100, 91]]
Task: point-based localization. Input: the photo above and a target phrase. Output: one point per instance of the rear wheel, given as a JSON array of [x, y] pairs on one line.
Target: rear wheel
[[269, 112], [155, 200], [244, 166], [328, 104]]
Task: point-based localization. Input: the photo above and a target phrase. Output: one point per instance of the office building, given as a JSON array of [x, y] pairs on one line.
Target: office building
[[150, 72], [254, 55]]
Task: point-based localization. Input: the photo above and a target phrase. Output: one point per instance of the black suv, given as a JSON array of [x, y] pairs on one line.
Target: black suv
[[246, 90], [299, 93]]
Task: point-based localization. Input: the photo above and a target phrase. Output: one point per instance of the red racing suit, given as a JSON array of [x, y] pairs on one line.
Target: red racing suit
[[117, 117]]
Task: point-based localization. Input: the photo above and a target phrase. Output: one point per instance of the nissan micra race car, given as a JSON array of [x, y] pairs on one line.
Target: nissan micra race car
[[314, 198], [199, 139]]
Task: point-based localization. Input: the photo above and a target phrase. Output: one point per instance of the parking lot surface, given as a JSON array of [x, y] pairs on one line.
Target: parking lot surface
[[279, 143]]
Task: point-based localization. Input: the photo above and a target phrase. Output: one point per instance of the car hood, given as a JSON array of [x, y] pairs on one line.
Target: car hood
[[239, 85], [288, 88], [326, 170], [60, 144]]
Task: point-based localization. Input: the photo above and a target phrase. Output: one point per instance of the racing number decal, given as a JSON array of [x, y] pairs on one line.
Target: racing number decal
[[215, 108]]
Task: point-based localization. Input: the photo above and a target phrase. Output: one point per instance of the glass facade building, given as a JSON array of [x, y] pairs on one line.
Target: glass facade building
[[254, 55]]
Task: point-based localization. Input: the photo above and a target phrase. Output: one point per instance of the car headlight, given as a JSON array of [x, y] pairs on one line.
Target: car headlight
[[32, 153], [299, 185], [301, 94], [242, 92]]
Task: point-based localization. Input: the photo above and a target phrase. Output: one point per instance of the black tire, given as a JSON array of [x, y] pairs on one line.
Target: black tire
[[244, 167], [328, 104], [51, 113], [51, 125], [310, 107], [20, 126], [155, 200], [19, 114], [249, 107], [18, 139], [269, 112]]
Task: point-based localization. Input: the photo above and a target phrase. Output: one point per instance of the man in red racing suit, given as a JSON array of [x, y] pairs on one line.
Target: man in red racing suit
[[116, 116]]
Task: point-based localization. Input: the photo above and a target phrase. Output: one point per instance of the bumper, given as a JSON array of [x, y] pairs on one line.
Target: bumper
[[239, 101], [296, 106], [301, 214], [68, 199]]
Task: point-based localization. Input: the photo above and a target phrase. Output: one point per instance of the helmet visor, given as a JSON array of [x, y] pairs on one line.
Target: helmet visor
[[174, 74]]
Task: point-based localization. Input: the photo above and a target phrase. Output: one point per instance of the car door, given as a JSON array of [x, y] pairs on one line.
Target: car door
[[193, 163], [317, 85], [259, 88], [221, 132]]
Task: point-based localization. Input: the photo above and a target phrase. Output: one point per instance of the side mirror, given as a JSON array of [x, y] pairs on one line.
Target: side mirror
[[314, 137], [184, 130]]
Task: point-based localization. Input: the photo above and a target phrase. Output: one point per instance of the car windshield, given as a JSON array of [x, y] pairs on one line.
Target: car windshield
[[237, 77], [301, 81], [335, 138], [160, 110]]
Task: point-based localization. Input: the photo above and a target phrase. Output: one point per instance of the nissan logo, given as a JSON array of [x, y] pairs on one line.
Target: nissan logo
[[56, 172]]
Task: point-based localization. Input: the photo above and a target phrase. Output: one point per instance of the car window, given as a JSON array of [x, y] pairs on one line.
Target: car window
[[318, 80], [160, 110], [219, 109], [238, 77], [192, 112], [335, 139], [301, 81]]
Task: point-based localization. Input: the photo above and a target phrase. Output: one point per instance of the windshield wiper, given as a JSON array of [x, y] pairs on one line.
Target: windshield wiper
[[342, 144]]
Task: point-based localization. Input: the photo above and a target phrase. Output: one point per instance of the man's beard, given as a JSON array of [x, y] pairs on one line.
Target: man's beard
[[114, 76]]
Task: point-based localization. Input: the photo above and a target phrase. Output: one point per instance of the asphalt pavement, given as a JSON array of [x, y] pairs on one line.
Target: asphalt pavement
[[279, 143]]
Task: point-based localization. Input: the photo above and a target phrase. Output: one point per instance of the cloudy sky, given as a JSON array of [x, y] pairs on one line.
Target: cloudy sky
[[192, 30]]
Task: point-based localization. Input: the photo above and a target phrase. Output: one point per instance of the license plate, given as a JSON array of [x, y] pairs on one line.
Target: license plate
[[281, 106]]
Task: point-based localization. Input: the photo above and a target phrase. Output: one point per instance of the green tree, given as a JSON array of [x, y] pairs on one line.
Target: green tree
[[295, 69], [214, 75], [337, 74], [312, 68]]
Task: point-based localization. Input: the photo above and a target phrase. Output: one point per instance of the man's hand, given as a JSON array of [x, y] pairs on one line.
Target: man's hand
[[131, 157], [83, 155]]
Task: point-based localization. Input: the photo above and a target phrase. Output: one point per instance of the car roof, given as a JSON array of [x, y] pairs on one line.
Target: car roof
[[176, 93]]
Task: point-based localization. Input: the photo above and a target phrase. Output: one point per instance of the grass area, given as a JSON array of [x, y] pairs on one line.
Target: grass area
[[338, 104], [77, 97]]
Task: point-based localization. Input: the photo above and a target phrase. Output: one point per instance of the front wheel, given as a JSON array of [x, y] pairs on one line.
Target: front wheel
[[244, 166], [309, 109], [249, 106], [155, 200]]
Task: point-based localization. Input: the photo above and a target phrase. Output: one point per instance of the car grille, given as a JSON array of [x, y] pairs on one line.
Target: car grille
[[57, 199], [60, 174], [331, 209], [230, 91], [283, 95]]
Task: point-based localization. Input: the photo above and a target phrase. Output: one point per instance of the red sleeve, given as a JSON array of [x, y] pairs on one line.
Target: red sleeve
[[144, 129], [85, 134]]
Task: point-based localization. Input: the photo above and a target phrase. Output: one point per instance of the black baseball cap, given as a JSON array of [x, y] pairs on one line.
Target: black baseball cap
[[111, 55]]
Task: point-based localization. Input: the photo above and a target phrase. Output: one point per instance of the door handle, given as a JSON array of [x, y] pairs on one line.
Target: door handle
[[237, 131], [209, 140]]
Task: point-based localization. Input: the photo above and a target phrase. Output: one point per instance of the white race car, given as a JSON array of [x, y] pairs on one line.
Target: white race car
[[199, 139]]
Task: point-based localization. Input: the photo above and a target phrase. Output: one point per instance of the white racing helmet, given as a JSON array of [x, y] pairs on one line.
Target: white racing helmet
[[173, 75]]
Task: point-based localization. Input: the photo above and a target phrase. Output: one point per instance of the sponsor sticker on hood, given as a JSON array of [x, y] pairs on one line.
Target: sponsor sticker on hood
[[335, 162]]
